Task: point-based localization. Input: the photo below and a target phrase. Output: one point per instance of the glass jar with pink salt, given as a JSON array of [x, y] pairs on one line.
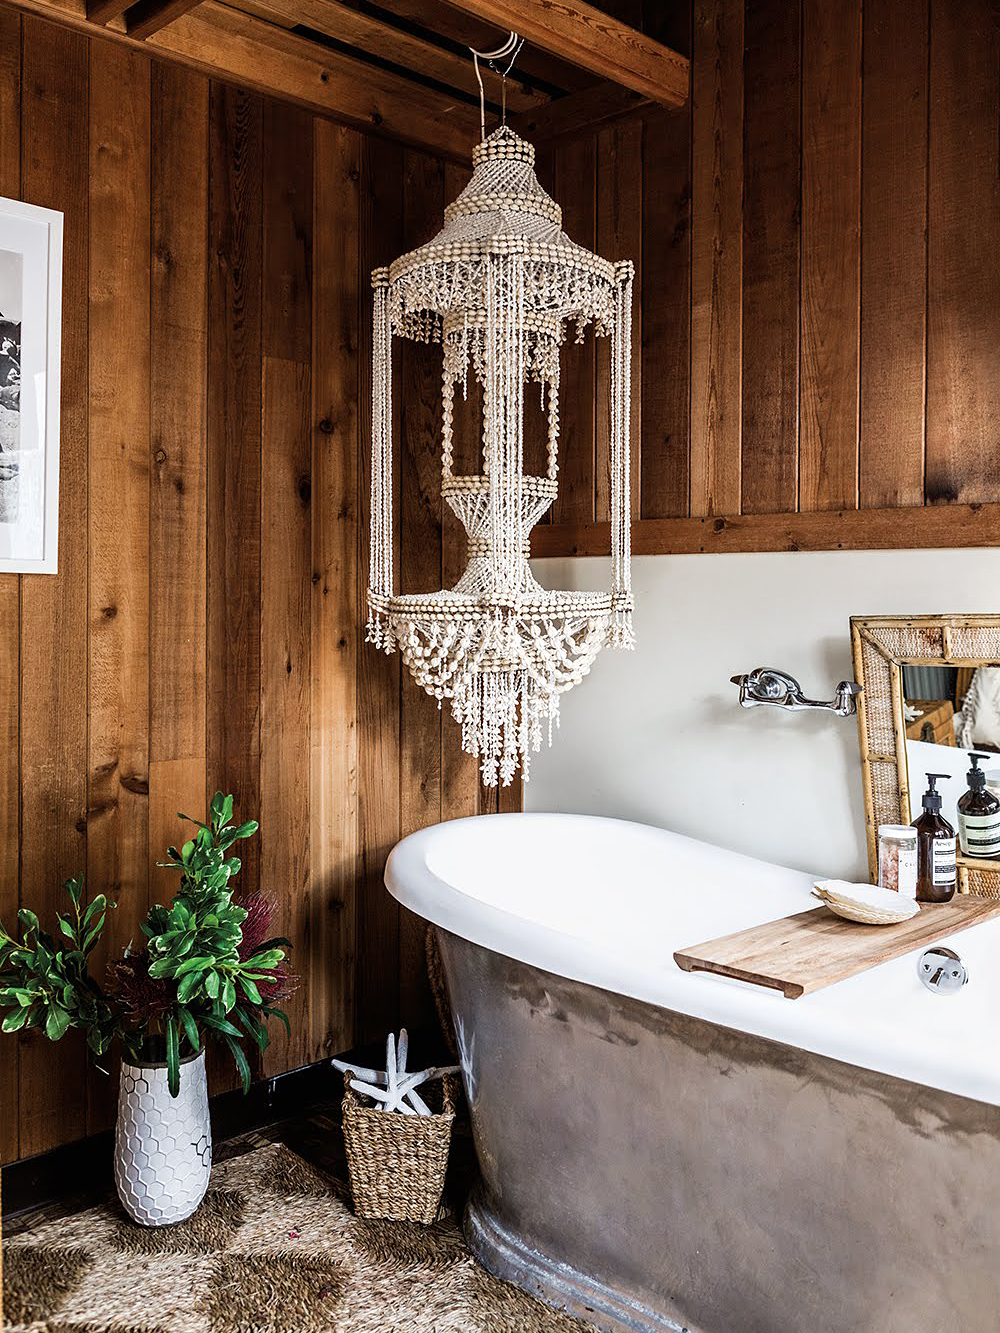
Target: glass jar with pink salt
[[897, 858]]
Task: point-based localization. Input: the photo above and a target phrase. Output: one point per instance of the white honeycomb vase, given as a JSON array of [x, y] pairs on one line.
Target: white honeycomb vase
[[163, 1144]]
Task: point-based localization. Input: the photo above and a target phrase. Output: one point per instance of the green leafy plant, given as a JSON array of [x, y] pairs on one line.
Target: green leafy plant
[[46, 983], [194, 945], [207, 971]]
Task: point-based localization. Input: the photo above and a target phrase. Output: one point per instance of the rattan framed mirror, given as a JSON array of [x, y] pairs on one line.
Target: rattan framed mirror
[[890, 653]]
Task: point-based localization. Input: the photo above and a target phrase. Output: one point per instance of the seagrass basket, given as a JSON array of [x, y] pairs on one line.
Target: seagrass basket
[[396, 1162]]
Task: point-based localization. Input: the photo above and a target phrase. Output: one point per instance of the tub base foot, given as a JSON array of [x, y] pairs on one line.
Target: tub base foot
[[506, 1256]]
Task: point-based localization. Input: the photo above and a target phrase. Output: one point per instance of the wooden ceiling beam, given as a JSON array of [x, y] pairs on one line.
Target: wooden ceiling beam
[[356, 28], [575, 31], [579, 113], [227, 44], [148, 16], [103, 11], [438, 17], [277, 61]]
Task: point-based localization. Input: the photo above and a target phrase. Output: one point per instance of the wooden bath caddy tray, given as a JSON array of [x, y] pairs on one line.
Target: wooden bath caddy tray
[[802, 953]]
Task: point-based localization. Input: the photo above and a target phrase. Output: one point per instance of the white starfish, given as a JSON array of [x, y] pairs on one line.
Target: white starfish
[[393, 1088]]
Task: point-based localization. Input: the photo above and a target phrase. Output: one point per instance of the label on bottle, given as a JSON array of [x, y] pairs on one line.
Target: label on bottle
[[943, 867], [980, 834], [907, 872]]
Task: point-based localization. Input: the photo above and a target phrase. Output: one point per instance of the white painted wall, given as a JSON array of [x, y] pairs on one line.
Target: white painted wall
[[657, 735]]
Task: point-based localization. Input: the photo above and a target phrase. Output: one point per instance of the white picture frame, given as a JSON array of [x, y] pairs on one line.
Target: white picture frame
[[31, 241]]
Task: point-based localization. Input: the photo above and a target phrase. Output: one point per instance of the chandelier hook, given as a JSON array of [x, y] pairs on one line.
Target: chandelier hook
[[511, 48]]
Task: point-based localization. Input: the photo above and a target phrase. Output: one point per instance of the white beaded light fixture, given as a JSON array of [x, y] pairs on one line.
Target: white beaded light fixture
[[499, 287]]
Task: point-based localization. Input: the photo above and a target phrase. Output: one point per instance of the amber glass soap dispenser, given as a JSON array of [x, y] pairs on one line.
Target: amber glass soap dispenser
[[978, 814], [937, 873]]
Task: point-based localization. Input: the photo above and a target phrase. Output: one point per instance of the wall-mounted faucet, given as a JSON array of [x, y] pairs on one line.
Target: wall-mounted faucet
[[767, 685]]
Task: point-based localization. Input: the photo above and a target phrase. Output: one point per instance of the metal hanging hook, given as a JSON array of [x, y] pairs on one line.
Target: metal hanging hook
[[512, 48]]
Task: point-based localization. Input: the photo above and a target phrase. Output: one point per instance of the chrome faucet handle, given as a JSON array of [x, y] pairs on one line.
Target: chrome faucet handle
[[768, 685]]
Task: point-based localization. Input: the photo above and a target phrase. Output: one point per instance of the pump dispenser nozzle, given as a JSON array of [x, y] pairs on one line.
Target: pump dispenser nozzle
[[975, 775], [932, 797]]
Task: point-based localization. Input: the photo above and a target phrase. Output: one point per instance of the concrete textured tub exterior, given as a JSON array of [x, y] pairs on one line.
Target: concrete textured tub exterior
[[647, 1165]]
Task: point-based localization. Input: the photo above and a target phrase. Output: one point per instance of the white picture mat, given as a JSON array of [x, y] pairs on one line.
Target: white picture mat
[[30, 546]]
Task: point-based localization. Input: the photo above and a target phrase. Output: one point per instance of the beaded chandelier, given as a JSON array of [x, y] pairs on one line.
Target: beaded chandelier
[[498, 288]]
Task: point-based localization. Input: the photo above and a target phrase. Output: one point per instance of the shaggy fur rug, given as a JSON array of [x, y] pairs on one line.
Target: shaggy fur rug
[[274, 1248]]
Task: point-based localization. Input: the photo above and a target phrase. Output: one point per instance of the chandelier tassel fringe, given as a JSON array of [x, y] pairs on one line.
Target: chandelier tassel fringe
[[380, 556], [621, 634]]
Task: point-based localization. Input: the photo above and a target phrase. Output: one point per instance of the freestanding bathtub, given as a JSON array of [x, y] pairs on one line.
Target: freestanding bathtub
[[662, 1150]]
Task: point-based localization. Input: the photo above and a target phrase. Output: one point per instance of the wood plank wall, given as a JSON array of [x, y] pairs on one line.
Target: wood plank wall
[[204, 629], [818, 235]]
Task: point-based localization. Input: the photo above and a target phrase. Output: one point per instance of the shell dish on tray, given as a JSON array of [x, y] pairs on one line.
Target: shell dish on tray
[[867, 903]]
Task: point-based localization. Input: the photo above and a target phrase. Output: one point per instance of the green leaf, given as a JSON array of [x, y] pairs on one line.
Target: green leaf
[[15, 1020], [93, 935], [173, 1057], [269, 1012], [240, 1061], [74, 887], [57, 1022], [212, 985], [190, 1028], [198, 964], [28, 919], [255, 1030], [189, 984], [222, 1025], [247, 829], [265, 961], [98, 905], [67, 929], [228, 994], [250, 990]]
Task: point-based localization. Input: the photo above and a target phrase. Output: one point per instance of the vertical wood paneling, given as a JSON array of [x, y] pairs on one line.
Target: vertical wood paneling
[[831, 190], [420, 556], [963, 350], [119, 480], [377, 1002], [576, 188], [337, 637], [178, 403], [893, 253], [118, 530], [666, 294], [771, 185], [286, 526], [54, 171], [285, 678], [10, 611], [234, 456], [716, 255]]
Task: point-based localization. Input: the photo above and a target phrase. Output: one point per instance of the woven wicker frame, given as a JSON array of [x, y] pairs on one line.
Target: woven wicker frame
[[882, 646], [397, 1163]]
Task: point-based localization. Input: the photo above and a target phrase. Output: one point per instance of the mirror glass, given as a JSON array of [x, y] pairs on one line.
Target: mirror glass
[[949, 712]]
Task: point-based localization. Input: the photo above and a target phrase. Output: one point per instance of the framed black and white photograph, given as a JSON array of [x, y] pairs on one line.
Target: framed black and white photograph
[[30, 331]]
